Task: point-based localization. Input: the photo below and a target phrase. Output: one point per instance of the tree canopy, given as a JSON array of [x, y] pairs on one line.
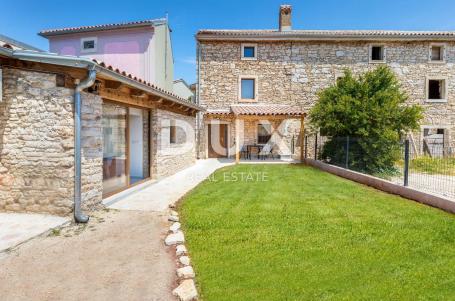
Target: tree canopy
[[373, 111]]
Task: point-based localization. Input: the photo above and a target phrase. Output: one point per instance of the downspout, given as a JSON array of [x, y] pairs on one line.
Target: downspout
[[79, 217]]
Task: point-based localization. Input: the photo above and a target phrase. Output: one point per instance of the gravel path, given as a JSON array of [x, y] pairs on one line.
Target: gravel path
[[119, 255]]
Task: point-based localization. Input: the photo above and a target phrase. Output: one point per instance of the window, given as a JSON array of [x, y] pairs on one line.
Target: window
[[264, 132], [437, 53], [88, 44], [377, 53], [436, 90], [249, 51], [434, 140], [172, 133], [248, 88]]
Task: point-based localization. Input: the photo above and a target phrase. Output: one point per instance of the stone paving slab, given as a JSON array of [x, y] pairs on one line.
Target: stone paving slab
[[157, 196], [16, 228]]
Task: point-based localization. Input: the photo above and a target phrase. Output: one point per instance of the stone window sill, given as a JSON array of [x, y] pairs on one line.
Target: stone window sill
[[436, 100], [248, 100], [437, 62], [377, 62]]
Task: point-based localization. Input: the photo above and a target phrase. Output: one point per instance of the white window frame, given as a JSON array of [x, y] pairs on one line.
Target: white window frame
[[427, 89], [430, 52], [255, 99], [255, 51], [95, 39], [384, 54]]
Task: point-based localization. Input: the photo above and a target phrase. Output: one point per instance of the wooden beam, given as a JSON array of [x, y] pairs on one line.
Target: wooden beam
[[125, 98], [138, 93], [112, 84], [237, 141]]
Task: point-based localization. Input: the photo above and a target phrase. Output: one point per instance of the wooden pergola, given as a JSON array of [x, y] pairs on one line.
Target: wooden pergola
[[274, 111]]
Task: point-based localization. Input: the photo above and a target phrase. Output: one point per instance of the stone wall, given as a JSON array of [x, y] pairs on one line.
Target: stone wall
[[284, 136], [294, 72], [169, 158], [92, 150], [37, 145]]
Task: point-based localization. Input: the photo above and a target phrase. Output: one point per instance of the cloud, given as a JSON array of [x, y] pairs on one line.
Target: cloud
[[188, 60]]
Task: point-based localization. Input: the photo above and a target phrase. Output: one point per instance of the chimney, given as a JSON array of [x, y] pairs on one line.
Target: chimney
[[285, 17]]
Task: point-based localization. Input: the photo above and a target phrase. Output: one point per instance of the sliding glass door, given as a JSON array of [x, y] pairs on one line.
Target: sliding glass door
[[114, 148], [126, 147], [139, 145]]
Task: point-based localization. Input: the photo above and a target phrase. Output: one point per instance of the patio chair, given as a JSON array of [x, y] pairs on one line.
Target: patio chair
[[244, 152], [266, 152]]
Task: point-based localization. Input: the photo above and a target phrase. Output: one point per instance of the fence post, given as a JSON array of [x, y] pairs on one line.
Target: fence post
[[406, 162], [347, 152], [306, 146], [316, 147]]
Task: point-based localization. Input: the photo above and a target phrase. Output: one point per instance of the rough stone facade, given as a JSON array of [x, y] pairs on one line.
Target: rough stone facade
[[37, 145], [294, 72], [169, 158]]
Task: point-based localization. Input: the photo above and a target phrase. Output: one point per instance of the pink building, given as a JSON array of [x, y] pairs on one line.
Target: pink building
[[141, 48]]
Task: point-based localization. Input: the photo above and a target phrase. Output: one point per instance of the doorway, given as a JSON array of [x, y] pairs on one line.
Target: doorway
[[217, 140], [138, 145], [126, 147]]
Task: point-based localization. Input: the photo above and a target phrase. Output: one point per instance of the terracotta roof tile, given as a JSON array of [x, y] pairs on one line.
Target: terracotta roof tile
[[139, 80], [259, 110], [50, 32], [323, 34], [266, 109]]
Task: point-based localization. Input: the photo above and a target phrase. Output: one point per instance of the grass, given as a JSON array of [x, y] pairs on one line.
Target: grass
[[445, 166], [308, 235]]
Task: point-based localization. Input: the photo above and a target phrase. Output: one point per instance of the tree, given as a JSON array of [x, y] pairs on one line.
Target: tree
[[371, 109]]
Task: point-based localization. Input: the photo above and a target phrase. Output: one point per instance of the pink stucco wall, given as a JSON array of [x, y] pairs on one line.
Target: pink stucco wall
[[128, 50]]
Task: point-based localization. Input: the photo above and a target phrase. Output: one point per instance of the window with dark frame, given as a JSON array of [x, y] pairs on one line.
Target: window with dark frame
[[264, 133], [377, 53], [89, 44], [248, 86], [436, 89], [437, 53], [172, 133]]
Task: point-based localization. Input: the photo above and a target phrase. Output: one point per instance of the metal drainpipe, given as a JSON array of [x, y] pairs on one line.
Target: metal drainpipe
[[79, 217]]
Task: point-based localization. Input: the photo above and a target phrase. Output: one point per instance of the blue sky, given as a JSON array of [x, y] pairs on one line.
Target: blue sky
[[23, 19]]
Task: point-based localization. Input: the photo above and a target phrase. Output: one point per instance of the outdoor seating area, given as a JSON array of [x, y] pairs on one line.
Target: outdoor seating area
[[258, 151]]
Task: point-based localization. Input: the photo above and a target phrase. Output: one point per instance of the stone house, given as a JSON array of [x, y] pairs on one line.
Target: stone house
[[266, 78], [74, 130]]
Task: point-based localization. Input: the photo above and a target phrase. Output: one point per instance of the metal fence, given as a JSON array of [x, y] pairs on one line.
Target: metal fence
[[429, 167]]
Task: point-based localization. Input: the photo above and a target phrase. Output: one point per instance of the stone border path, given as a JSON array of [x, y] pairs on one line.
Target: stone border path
[[186, 289]]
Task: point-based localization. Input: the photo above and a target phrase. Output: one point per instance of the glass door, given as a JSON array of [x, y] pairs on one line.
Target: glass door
[[139, 150], [115, 124]]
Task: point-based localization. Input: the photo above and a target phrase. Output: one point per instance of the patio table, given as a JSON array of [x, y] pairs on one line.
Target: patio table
[[259, 148]]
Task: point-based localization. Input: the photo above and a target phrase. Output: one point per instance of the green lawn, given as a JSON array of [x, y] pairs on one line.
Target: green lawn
[[308, 235], [445, 166]]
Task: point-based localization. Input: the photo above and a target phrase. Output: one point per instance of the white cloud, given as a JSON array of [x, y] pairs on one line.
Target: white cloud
[[188, 60]]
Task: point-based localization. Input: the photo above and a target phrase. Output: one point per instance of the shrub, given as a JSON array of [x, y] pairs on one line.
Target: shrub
[[372, 110]]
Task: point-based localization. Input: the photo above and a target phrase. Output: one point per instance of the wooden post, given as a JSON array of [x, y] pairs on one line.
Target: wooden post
[[302, 137], [237, 141]]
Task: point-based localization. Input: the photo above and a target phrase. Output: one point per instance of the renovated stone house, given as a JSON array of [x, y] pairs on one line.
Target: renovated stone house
[[75, 130], [267, 78]]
